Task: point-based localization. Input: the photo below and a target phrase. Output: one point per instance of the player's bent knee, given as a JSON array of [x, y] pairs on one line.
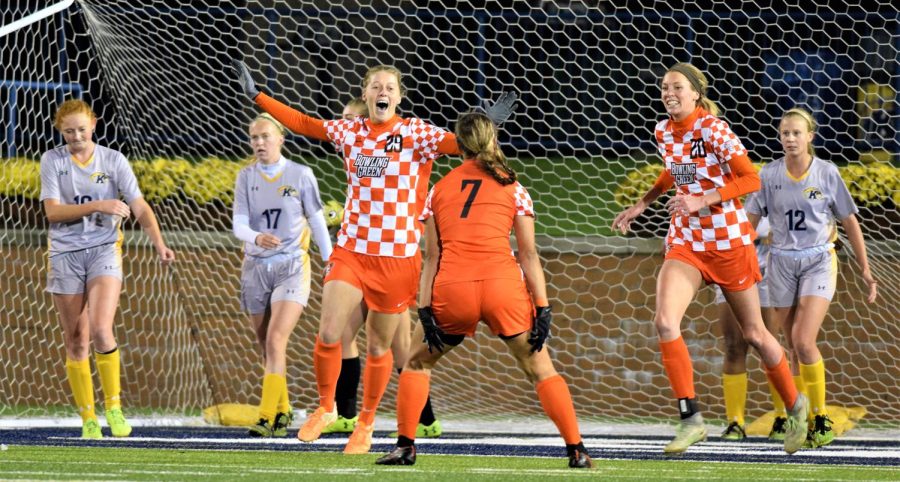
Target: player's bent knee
[[736, 349], [807, 352]]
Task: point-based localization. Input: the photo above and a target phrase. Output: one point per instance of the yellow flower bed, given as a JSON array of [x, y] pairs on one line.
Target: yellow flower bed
[[870, 184], [205, 181], [20, 177]]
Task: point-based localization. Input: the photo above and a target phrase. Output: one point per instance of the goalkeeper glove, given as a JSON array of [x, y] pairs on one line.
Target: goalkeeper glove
[[502, 108], [246, 80], [540, 330], [432, 331]]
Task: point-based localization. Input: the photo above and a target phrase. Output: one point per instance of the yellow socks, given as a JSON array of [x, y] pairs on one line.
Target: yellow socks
[[273, 388], [777, 402], [284, 402], [79, 374], [109, 368], [814, 378], [735, 388]]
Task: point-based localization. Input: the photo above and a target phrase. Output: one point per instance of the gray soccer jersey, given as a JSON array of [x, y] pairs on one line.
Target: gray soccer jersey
[[106, 176], [279, 205], [802, 211]]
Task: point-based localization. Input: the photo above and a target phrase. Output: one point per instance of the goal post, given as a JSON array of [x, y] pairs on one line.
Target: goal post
[[157, 74]]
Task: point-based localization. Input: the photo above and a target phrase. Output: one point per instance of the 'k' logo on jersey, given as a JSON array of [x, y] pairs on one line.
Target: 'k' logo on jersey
[[288, 191], [99, 177], [684, 173], [370, 166], [813, 194]]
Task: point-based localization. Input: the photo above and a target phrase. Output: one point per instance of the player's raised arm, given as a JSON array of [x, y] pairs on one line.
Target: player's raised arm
[[293, 119]]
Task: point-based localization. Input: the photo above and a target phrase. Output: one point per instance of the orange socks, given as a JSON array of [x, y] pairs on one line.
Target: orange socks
[[376, 376], [680, 370], [411, 397], [327, 365], [780, 377], [556, 400]]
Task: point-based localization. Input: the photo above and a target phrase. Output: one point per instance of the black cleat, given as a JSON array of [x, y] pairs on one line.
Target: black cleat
[[402, 456], [578, 457]]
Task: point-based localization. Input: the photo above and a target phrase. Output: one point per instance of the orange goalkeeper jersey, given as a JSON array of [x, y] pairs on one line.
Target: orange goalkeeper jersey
[[474, 215]]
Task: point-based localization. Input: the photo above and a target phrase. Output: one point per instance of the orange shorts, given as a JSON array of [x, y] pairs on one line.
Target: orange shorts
[[503, 304], [388, 284], [734, 269]]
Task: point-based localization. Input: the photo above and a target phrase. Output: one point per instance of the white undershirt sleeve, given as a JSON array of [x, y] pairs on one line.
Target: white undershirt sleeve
[[240, 225], [320, 233]]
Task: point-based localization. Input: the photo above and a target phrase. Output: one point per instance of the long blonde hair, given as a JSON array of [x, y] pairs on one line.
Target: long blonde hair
[[476, 135], [808, 119], [699, 83], [73, 106]]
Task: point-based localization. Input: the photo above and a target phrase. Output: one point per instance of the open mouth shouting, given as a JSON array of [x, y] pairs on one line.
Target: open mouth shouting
[[382, 105]]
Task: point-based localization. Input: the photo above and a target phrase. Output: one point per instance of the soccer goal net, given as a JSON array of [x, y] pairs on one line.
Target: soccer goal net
[[156, 72]]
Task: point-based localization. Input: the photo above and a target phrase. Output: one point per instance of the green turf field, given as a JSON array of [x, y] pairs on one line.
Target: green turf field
[[95, 463]]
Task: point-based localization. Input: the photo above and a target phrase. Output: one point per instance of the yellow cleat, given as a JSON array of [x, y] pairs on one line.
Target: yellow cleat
[[424, 431], [734, 432], [342, 425], [117, 423], [91, 429], [283, 420]]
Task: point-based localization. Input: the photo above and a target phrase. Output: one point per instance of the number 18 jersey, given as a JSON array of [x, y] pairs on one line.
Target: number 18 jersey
[[105, 175]]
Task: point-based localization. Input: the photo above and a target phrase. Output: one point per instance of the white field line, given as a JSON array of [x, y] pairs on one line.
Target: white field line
[[773, 467], [567, 473], [631, 445]]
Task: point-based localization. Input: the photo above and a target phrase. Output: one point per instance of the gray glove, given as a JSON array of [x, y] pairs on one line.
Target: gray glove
[[245, 79], [502, 108]]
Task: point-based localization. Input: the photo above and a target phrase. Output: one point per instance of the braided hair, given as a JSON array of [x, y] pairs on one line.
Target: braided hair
[[476, 135]]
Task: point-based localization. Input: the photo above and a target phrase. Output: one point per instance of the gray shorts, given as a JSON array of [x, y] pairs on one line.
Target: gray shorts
[[762, 252], [792, 277], [267, 280], [68, 273]]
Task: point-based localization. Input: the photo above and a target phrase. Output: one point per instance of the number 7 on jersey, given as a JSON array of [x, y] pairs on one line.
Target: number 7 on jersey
[[476, 184]]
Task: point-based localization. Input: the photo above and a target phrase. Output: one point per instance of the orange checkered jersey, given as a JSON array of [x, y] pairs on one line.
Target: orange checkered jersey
[[388, 166], [702, 155], [473, 216]]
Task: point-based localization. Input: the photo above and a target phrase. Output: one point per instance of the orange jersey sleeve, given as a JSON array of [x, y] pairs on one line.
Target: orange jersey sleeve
[[293, 119], [448, 145], [664, 182], [746, 179]]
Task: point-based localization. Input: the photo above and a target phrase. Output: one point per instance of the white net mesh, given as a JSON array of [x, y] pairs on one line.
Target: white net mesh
[[588, 78]]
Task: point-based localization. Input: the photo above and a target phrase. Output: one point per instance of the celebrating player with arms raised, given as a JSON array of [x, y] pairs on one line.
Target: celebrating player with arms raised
[[388, 162]]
